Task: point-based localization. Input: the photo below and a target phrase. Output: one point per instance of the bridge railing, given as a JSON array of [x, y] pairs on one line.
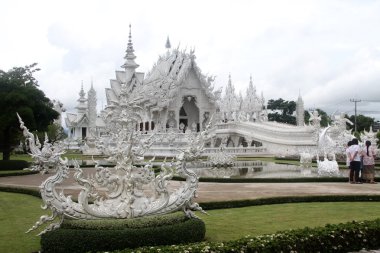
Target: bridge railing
[[171, 151], [236, 150]]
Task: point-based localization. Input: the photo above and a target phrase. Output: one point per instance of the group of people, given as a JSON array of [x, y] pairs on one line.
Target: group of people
[[361, 162]]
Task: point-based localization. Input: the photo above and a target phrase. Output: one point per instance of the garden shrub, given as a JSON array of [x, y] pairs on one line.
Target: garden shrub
[[287, 199], [106, 235], [13, 164], [28, 191], [9, 173], [272, 180], [344, 237]]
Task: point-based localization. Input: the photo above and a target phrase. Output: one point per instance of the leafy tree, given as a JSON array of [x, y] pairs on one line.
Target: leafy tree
[[54, 132], [325, 119], [282, 111], [307, 117], [362, 122], [20, 94]]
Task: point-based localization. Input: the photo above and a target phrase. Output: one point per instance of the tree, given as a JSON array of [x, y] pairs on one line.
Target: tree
[[282, 111], [325, 119], [20, 94], [362, 122], [55, 133]]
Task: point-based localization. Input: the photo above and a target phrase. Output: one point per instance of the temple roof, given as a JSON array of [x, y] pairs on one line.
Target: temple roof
[[76, 119], [161, 85]]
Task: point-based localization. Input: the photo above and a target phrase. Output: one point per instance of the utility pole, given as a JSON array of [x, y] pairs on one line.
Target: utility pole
[[355, 101]]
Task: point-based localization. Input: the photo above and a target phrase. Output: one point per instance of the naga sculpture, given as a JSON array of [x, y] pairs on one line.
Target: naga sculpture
[[126, 185]]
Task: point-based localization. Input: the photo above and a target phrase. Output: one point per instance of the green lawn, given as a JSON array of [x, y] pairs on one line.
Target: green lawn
[[18, 212], [229, 224]]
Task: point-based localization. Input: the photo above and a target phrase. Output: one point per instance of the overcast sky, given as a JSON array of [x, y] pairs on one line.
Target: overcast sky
[[329, 51]]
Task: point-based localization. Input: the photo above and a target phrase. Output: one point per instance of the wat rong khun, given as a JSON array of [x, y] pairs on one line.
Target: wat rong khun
[[175, 100], [173, 115]]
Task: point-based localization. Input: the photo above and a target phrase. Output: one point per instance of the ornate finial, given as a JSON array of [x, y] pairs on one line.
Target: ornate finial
[[130, 49], [81, 92], [167, 44], [299, 95], [229, 80], [250, 80], [130, 56]]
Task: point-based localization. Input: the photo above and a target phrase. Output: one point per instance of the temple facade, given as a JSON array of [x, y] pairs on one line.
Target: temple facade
[[85, 122], [175, 98]]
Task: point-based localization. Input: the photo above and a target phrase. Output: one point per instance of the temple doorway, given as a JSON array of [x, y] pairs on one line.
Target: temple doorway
[[189, 114]]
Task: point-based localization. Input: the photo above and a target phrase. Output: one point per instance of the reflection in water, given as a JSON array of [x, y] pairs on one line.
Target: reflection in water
[[246, 169], [259, 169]]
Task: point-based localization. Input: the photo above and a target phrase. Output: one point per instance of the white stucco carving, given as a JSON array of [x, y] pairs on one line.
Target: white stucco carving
[[125, 184]]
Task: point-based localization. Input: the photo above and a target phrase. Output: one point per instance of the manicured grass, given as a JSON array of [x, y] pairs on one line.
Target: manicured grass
[[25, 157], [18, 213], [229, 224]]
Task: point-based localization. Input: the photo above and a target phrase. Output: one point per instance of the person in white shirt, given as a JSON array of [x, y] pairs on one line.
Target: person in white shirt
[[348, 161], [355, 161]]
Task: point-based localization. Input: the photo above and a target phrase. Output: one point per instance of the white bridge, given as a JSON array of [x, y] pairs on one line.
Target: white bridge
[[245, 139]]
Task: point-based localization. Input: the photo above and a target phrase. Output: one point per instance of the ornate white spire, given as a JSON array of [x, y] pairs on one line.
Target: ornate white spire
[[167, 44], [252, 103], [82, 106], [92, 114], [130, 65], [300, 111], [81, 92], [230, 100]]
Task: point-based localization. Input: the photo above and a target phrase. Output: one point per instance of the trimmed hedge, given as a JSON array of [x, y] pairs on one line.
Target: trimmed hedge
[[114, 224], [13, 164], [344, 237], [6, 173], [272, 180], [28, 191], [96, 236], [288, 199]]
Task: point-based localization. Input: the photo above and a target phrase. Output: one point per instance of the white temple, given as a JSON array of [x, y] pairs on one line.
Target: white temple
[[85, 122], [175, 99]]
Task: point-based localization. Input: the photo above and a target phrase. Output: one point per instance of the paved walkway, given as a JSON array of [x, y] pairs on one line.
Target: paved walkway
[[225, 191]]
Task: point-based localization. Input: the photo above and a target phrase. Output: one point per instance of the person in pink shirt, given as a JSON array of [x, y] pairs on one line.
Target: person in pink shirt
[[369, 163]]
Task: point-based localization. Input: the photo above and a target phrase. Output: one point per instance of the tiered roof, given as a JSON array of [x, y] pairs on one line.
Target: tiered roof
[[162, 83]]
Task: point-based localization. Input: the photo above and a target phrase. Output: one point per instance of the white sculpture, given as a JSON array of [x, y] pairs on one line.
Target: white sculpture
[[125, 196], [315, 119], [328, 167], [222, 158], [327, 146], [306, 159]]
